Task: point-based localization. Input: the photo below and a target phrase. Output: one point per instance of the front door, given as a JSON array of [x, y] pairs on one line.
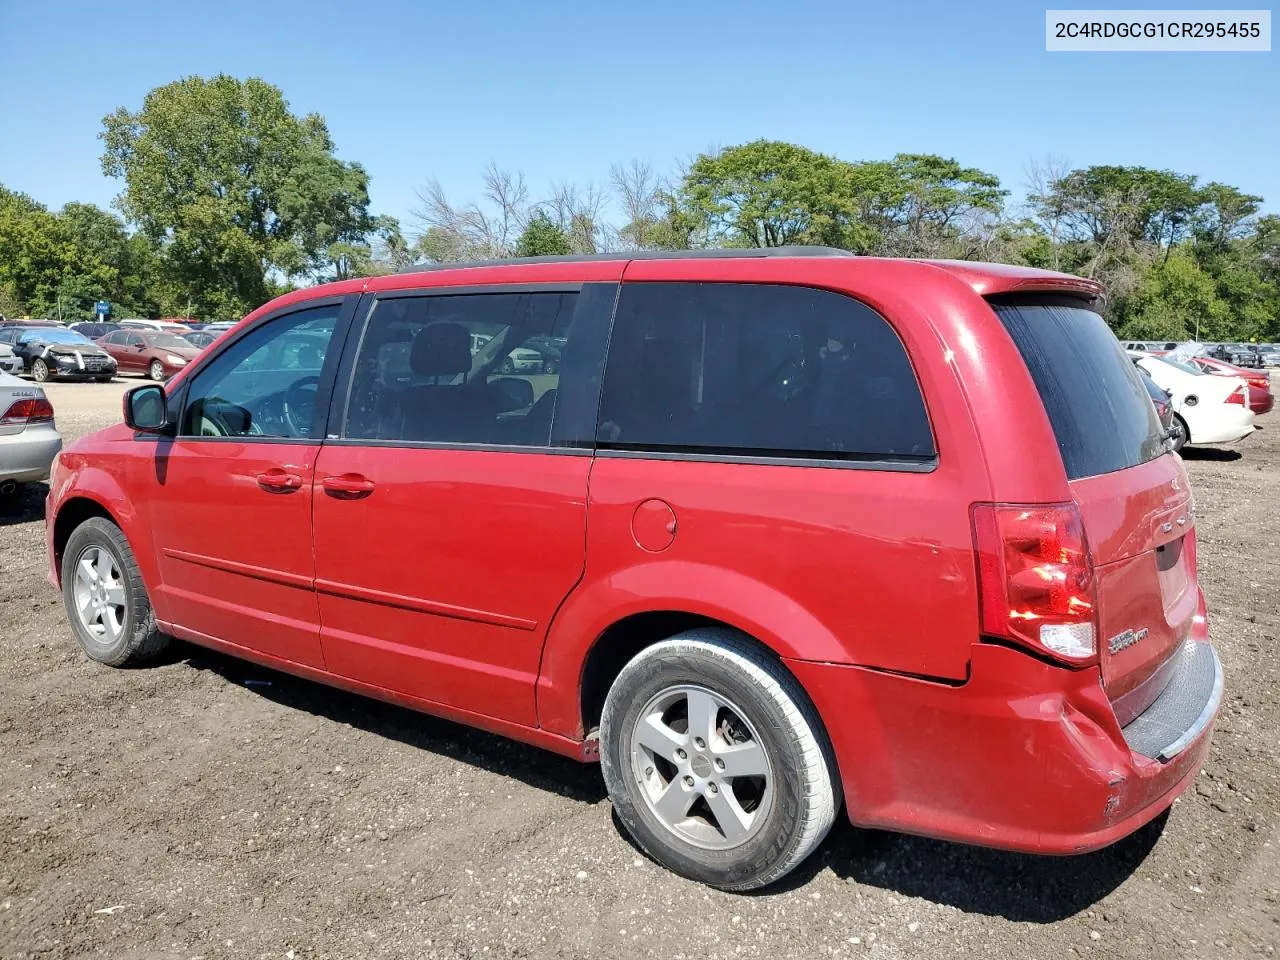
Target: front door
[[450, 513], [232, 503]]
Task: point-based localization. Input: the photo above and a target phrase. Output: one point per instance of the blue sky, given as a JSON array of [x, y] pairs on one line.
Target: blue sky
[[561, 90]]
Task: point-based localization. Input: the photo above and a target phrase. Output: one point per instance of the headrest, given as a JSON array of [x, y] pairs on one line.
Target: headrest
[[441, 350]]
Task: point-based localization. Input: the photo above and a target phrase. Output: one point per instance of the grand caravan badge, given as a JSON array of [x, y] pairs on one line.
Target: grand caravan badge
[[1127, 639]]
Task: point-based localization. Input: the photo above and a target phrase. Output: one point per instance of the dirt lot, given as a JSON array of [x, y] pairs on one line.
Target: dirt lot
[[207, 808]]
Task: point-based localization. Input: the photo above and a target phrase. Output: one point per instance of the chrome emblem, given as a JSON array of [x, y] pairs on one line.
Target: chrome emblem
[[1127, 639]]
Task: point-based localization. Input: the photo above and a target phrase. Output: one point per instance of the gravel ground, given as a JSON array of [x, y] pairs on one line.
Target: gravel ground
[[208, 808]]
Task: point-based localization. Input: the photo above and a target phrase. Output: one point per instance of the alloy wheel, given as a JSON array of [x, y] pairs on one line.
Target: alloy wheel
[[100, 595], [700, 767]]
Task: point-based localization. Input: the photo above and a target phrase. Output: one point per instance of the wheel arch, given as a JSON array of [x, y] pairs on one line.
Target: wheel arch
[[606, 622], [95, 494]]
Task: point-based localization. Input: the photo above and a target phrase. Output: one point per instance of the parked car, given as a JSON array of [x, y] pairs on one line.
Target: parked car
[[29, 439], [550, 350], [1150, 346], [159, 326], [1206, 409], [764, 550], [200, 338], [156, 355], [94, 330], [1260, 397], [1270, 353], [29, 323], [219, 326], [1235, 353], [49, 352], [10, 362], [1160, 398]]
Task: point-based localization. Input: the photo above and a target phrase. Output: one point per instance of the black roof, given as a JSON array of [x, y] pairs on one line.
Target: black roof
[[717, 254]]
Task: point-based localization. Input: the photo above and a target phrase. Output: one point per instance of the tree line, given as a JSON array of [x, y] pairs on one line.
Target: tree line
[[229, 199]]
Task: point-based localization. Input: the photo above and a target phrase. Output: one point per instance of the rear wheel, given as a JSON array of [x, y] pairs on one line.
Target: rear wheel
[[715, 760], [157, 370], [1178, 433], [39, 370], [105, 598]]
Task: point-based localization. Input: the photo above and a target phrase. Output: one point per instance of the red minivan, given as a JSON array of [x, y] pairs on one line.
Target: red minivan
[[771, 533]]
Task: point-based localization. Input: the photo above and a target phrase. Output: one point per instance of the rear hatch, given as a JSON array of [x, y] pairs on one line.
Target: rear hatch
[[1134, 498]]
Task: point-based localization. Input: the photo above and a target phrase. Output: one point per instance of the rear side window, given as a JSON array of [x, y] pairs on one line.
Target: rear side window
[[762, 370], [1101, 415]]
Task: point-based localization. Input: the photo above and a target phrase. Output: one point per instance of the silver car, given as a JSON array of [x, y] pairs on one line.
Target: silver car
[[10, 362], [29, 439]]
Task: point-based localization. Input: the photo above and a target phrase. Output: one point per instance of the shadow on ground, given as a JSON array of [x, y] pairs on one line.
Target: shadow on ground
[[996, 883], [1218, 454], [538, 768], [25, 505]]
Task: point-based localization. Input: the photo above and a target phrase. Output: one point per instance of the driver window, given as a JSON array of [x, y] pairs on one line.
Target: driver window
[[264, 384]]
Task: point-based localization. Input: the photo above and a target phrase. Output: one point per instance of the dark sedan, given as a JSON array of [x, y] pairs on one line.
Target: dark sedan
[[56, 352]]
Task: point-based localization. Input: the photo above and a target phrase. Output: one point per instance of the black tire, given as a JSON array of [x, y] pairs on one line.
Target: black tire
[[39, 370], [103, 379], [805, 794], [1180, 433], [508, 366], [156, 370], [140, 640]]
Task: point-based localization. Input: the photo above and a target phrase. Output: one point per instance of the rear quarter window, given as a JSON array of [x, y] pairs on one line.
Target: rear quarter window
[[1102, 417]]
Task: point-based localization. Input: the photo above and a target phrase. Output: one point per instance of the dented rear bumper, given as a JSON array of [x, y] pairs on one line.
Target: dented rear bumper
[[1023, 756]]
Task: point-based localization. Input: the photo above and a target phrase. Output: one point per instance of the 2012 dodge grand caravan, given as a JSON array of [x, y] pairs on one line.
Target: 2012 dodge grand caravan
[[767, 532]]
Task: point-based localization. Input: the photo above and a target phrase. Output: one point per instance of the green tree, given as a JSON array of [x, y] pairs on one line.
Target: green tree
[[542, 238], [233, 188], [766, 194]]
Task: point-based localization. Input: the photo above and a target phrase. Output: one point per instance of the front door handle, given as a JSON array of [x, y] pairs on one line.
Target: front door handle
[[348, 485], [276, 480]]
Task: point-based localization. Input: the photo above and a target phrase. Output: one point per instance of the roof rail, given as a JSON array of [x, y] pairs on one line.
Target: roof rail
[[716, 254]]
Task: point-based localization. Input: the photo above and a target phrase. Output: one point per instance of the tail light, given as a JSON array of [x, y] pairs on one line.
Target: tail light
[[1262, 383], [1035, 579], [1237, 396], [23, 412]]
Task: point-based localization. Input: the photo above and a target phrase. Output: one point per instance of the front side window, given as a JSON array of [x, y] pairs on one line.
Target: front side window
[[467, 368], [759, 370], [264, 384]]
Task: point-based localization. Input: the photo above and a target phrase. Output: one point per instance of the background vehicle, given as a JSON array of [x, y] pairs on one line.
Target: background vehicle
[[156, 355], [49, 352], [94, 330], [200, 338], [160, 326], [1260, 396], [715, 417], [1270, 353], [1207, 409], [1160, 398], [9, 361], [29, 323], [29, 439], [1236, 353]]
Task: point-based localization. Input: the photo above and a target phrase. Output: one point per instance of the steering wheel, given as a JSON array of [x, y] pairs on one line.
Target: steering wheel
[[299, 405]]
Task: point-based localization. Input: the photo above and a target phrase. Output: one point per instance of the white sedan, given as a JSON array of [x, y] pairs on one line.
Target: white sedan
[[1206, 409]]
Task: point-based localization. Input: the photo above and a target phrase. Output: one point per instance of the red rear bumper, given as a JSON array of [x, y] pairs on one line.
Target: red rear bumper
[[1024, 756]]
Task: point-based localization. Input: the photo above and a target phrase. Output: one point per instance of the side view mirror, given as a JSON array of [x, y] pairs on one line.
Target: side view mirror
[[511, 393], [145, 409]]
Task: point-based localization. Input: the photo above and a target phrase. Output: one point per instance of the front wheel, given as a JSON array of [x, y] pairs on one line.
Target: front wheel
[[157, 370], [105, 598], [39, 370], [715, 760]]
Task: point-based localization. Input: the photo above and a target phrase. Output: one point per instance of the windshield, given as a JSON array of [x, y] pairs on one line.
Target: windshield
[[1179, 365], [167, 341], [53, 335]]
